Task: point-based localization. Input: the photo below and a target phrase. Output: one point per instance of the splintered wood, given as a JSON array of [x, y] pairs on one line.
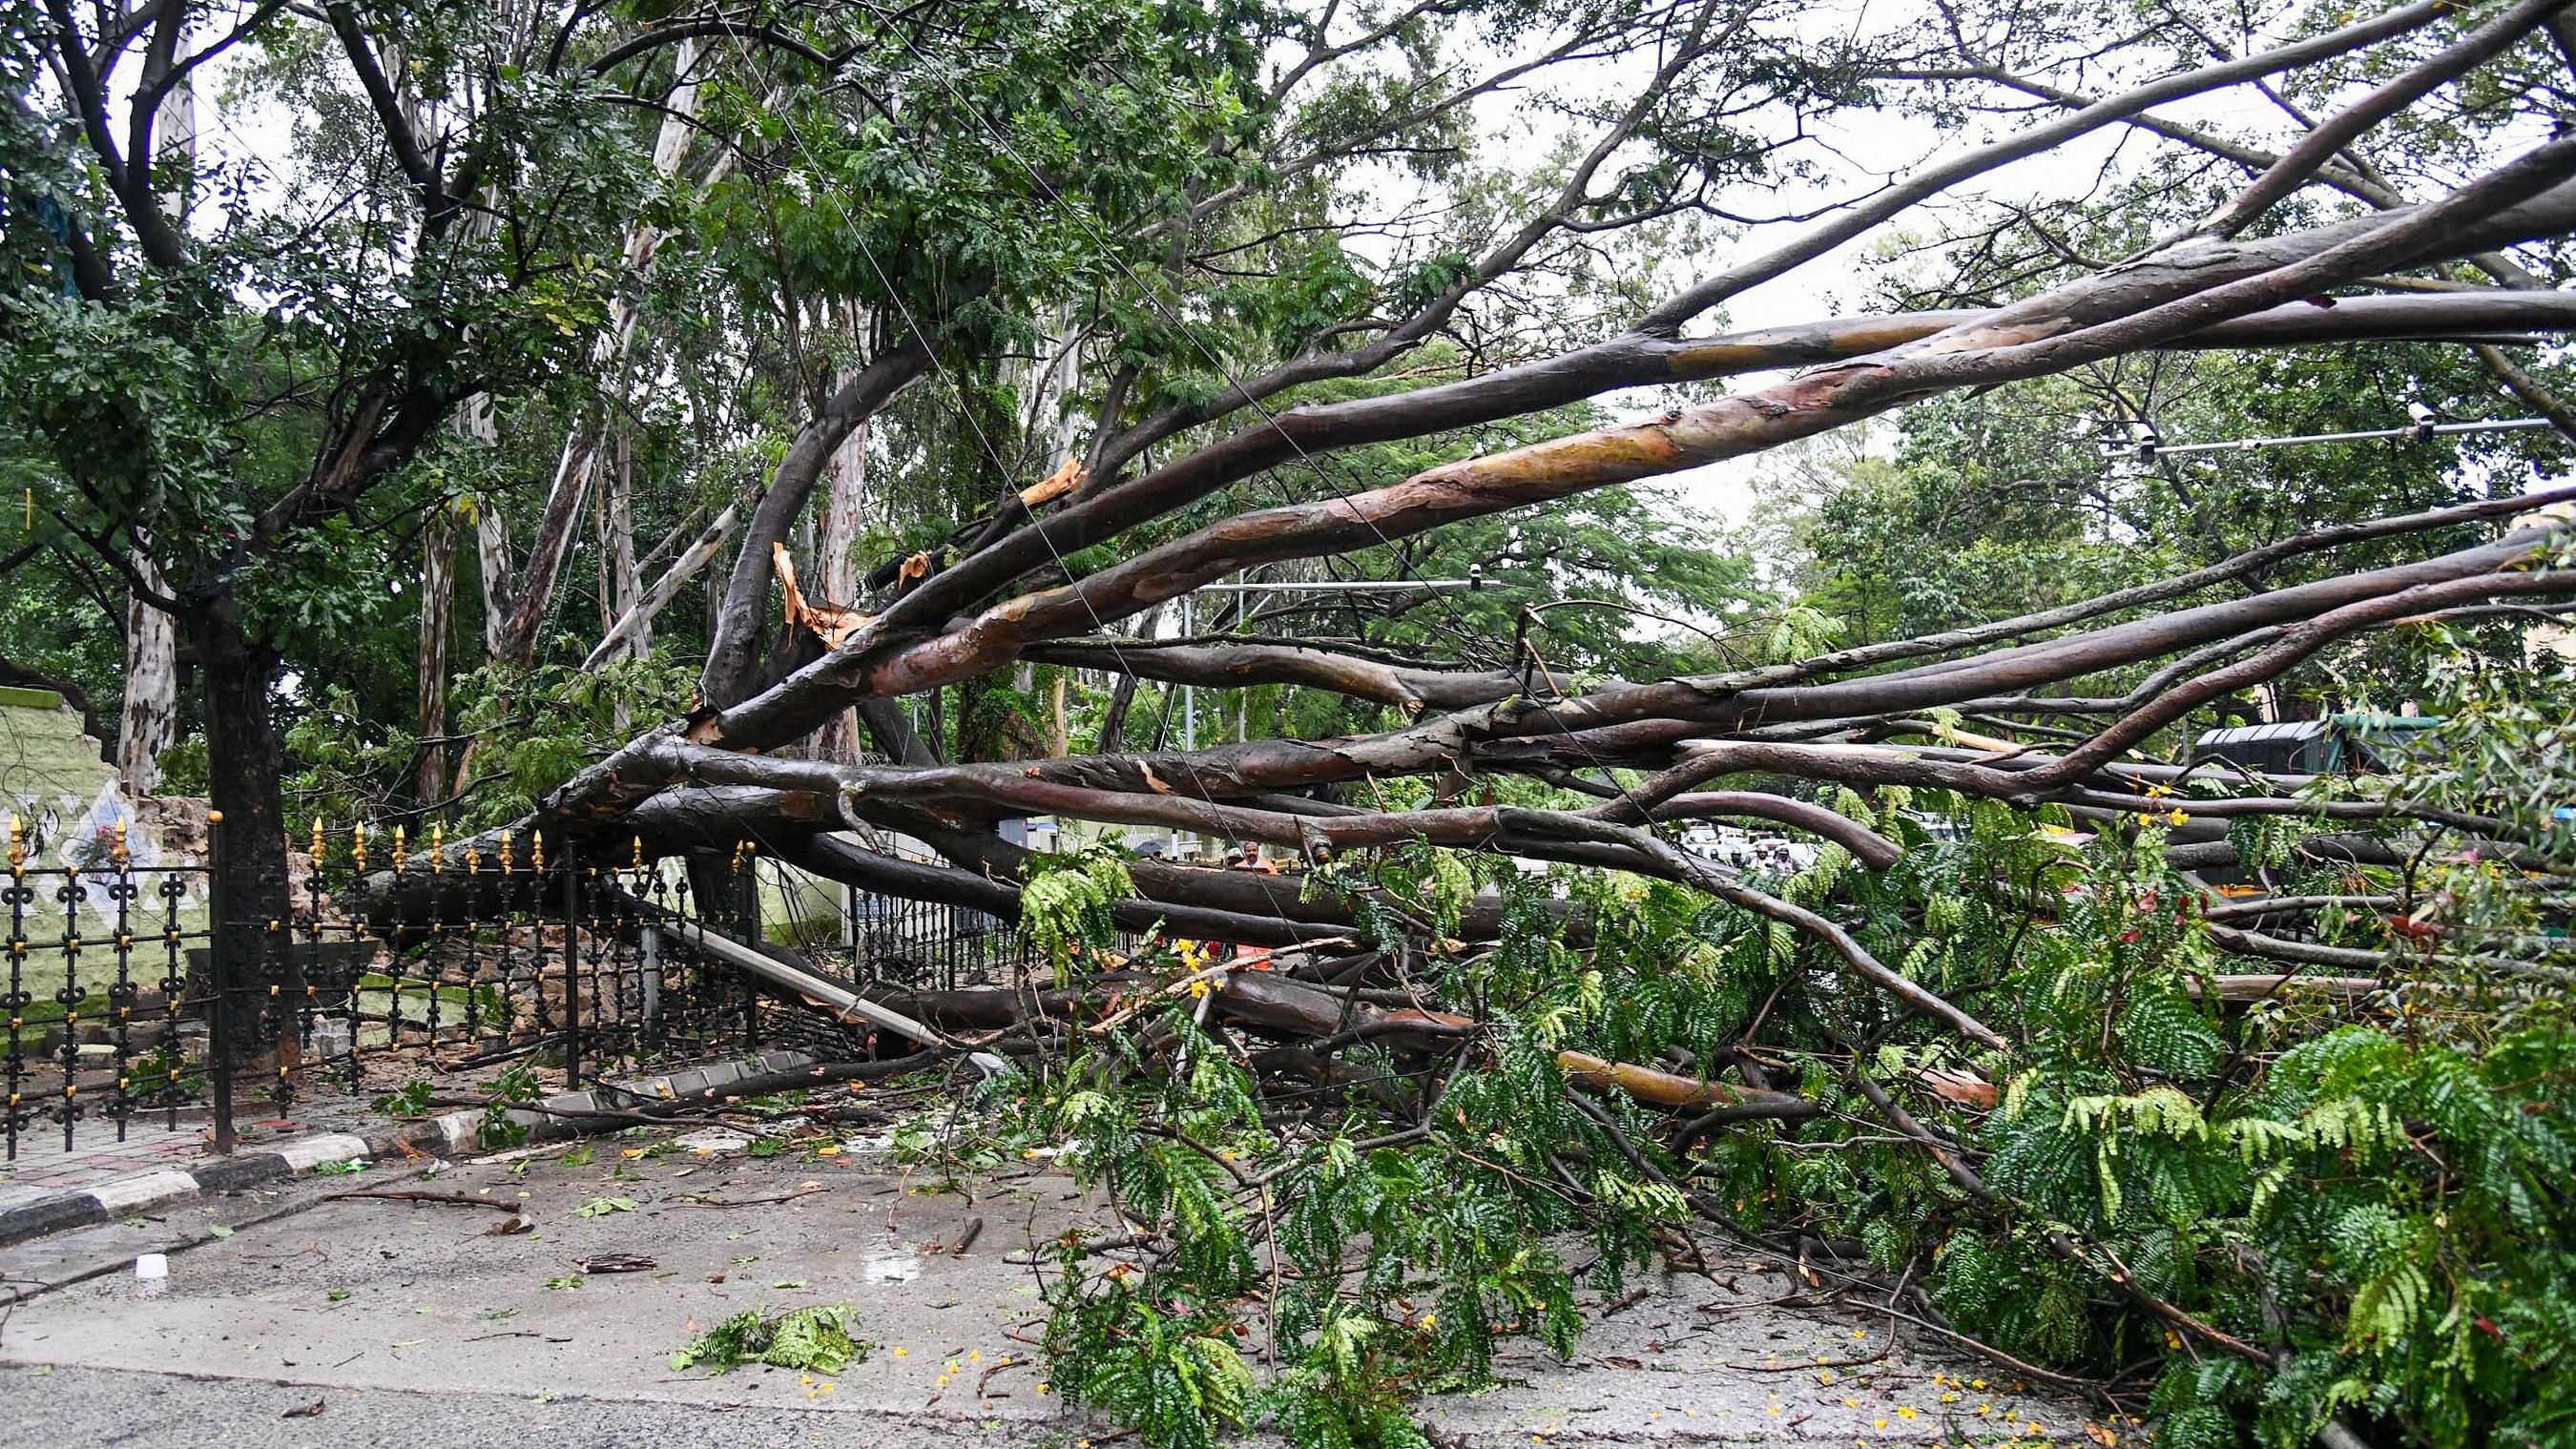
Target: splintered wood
[[831, 622], [1067, 477]]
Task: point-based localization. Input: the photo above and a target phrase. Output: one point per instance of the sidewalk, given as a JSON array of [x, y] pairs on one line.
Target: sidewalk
[[48, 1189], [409, 1322]]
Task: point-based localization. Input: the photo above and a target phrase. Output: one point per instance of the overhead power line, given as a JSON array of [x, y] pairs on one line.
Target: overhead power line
[[2132, 439]]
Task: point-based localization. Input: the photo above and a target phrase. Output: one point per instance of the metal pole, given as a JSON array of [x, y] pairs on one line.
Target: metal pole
[[219, 980], [572, 973], [1189, 711]]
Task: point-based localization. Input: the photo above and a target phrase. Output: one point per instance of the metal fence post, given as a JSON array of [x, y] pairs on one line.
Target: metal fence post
[[572, 972], [747, 912], [219, 976]]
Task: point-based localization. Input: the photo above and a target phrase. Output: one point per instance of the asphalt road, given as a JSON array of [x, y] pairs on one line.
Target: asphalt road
[[407, 1323]]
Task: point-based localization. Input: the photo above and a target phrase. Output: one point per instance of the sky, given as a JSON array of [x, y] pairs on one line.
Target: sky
[[1853, 152]]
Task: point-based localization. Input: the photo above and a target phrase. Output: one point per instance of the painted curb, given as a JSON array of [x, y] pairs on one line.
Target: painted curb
[[559, 1116]]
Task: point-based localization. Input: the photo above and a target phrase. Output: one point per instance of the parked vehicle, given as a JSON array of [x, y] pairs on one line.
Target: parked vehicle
[[2336, 744]]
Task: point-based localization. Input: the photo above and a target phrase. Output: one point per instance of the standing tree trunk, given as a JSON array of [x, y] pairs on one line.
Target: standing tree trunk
[[150, 719], [437, 611], [836, 573], [244, 762], [491, 534], [532, 590], [625, 589]]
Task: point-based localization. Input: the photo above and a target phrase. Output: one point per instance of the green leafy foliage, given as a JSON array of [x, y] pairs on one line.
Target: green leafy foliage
[[1065, 905], [821, 1338]]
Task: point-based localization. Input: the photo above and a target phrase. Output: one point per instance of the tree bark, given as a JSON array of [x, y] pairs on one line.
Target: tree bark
[[491, 535], [625, 589], [150, 719], [437, 614], [836, 572]]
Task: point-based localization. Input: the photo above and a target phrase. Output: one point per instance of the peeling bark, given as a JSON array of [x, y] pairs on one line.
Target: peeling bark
[[149, 721]]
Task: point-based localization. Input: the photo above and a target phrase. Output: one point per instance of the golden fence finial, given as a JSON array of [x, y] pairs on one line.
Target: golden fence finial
[[358, 846], [122, 853], [17, 842], [473, 860], [505, 852], [537, 851], [437, 844], [639, 852], [317, 840], [399, 852]]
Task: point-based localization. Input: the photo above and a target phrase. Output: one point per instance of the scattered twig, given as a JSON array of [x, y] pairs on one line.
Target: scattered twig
[[807, 1190], [454, 1199]]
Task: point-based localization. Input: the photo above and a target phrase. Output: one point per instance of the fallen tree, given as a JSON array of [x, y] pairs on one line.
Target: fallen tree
[[1971, 1065]]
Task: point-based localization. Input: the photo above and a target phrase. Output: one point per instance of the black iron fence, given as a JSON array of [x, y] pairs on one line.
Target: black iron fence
[[98, 989], [402, 979]]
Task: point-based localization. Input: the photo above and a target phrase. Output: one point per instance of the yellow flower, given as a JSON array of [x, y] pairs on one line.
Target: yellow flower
[[1430, 1321], [1200, 986], [900, 1351], [976, 1357], [1851, 1403], [1878, 1423], [1949, 1398], [1860, 1333], [1976, 1383], [1042, 1388], [1773, 1411], [1904, 1411], [2177, 817]]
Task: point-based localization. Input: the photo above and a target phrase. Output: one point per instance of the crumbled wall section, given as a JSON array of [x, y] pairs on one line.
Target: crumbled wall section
[[69, 801]]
